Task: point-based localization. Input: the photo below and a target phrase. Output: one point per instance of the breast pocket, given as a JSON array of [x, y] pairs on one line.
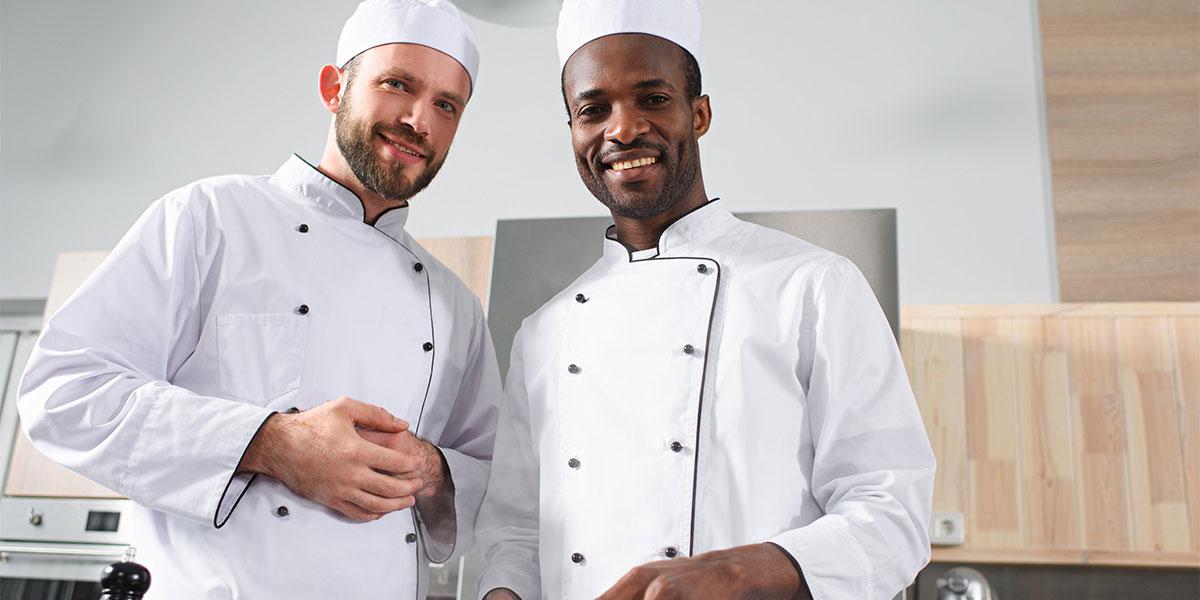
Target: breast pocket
[[261, 357]]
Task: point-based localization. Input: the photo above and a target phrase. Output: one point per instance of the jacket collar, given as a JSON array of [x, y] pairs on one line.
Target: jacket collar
[[300, 176], [679, 237]]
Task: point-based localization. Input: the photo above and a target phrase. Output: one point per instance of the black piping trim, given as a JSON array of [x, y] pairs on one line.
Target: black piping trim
[[253, 477], [356, 196], [630, 250], [712, 313]]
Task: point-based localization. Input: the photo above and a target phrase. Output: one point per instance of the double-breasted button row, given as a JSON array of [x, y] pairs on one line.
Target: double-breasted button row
[[576, 558], [410, 538]]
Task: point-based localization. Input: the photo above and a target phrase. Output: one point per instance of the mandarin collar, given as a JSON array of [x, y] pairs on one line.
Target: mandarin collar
[[680, 236], [300, 176]]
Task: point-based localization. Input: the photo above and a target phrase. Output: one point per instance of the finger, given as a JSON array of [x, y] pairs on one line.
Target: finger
[[379, 505], [373, 417], [353, 511], [388, 460], [632, 585], [379, 438], [389, 486]]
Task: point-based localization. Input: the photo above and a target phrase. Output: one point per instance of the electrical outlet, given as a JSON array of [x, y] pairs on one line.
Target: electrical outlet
[[947, 529]]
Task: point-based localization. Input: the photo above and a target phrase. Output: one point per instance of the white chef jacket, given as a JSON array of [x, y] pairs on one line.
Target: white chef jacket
[[738, 386], [233, 298]]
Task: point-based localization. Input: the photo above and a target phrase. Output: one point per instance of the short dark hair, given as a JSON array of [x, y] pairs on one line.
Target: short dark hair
[[691, 80]]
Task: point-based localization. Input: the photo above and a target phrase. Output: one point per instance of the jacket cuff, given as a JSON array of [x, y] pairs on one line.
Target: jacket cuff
[[833, 563], [238, 483], [469, 476]]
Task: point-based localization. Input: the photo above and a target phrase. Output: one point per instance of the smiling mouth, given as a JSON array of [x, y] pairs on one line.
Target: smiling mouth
[[633, 164], [401, 148]]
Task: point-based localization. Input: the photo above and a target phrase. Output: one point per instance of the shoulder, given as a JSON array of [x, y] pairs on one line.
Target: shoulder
[[786, 254]]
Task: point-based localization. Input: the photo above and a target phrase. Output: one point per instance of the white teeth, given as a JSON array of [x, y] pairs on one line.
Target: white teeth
[[637, 162], [405, 150]]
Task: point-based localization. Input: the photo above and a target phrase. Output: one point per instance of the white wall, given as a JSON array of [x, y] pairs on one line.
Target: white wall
[[929, 106]]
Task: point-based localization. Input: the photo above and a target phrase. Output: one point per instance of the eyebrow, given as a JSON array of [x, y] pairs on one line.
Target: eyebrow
[[641, 85], [394, 73]]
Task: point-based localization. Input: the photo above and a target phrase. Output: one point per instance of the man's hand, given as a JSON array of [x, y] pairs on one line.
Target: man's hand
[[319, 454], [758, 571], [429, 470]]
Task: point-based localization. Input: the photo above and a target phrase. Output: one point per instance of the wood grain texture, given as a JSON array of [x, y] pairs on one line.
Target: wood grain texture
[[1081, 429], [1122, 81], [1048, 456], [469, 257], [1186, 337]]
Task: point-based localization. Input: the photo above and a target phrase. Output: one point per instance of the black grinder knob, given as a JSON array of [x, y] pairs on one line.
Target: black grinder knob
[[125, 580]]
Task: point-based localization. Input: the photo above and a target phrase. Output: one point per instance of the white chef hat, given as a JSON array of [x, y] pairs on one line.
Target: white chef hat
[[432, 23], [582, 21]]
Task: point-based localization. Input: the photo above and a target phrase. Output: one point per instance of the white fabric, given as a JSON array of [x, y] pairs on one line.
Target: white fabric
[[155, 375], [433, 23], [793, 411], [582, 21]]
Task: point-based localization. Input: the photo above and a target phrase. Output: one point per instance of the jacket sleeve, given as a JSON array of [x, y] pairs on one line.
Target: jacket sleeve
[[96, 395], [508, 520], [872, 467], [467, 441]]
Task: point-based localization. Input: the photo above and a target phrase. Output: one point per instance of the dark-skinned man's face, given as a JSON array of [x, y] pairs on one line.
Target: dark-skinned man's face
[[634, 130]]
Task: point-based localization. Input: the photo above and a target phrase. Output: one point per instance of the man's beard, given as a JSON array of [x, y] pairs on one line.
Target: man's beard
[[354, 139], [678, 177]]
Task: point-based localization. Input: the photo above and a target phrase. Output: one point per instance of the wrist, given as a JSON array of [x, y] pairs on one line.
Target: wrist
[[263, 453], [437, 472]]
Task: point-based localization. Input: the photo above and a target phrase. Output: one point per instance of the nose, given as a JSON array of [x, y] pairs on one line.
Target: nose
[[417, 117], [625, 125]]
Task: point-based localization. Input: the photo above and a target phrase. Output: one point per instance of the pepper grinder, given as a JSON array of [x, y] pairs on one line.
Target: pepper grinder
[[125, 580]]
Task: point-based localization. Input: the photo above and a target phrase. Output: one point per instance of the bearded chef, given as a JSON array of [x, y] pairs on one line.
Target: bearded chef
[[714, 409], [297, 396]]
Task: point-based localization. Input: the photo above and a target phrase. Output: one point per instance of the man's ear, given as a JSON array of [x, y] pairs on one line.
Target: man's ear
[[701, 115], [331, 87]]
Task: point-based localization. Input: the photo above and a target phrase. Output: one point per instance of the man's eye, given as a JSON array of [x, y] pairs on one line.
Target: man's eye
[[657, 99], [395, 84], [446, 106], [589, 111]]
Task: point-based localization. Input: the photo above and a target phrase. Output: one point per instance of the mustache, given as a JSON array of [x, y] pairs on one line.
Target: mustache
[[405, 133]]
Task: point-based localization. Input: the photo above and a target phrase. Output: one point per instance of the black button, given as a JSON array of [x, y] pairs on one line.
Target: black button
[[302, 309], [427, 346], [688, 349], [573, 369], [418, 267], [291, 411], [577, 558], [303, 228], [702, 268], [410, 538], [676, 447], [671, 552], [580, 298], [573, 463], [282, 511]]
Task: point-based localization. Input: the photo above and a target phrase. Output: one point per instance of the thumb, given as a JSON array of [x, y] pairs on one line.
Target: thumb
[[374, 417]]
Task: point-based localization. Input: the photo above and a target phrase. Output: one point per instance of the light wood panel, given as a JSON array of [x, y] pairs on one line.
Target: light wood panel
[[32, 474], [1080, 429], [1122, 81]]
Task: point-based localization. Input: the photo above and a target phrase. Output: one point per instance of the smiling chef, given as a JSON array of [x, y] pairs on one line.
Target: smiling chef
[[299, 399], [714, 409]]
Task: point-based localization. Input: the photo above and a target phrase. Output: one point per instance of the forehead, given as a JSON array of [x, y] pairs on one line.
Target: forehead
[[619, 61], [433, 67]]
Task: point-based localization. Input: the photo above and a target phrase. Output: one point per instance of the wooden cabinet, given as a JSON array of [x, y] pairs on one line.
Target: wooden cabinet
[[1065, 433]]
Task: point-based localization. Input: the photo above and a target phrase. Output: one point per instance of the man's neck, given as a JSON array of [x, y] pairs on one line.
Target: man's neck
[[643, 234], [334, 166]]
